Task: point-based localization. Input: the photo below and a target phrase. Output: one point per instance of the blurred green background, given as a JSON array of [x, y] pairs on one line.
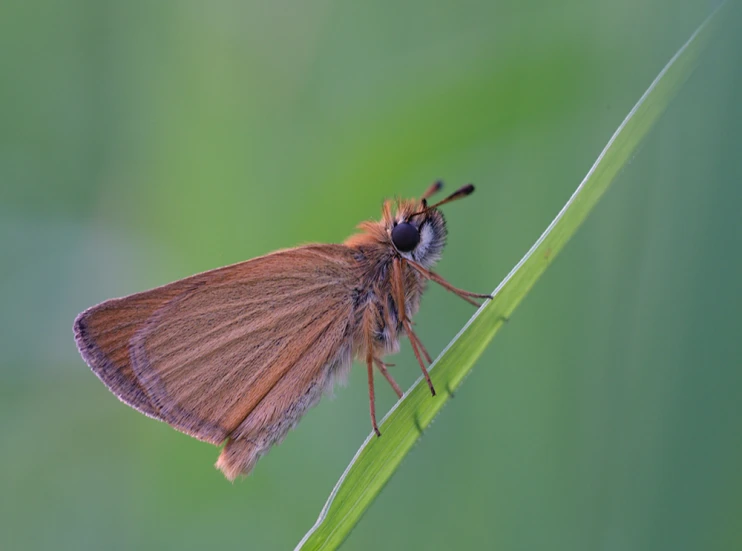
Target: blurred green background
[[141, 142]]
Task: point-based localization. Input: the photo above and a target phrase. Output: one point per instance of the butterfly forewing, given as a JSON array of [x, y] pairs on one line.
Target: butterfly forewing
[[205, 357], [104, 333]]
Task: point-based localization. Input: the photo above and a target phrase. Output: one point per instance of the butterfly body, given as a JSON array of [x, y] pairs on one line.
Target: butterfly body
[[240, 353]]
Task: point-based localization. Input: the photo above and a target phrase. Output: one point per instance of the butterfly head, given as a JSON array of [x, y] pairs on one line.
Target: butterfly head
[[411, 228], [416, 230]]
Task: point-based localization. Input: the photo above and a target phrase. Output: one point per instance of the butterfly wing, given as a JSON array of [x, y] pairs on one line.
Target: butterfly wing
[[237, 353]]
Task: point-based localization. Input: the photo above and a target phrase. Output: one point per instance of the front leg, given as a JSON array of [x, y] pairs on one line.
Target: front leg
[[466, 295]]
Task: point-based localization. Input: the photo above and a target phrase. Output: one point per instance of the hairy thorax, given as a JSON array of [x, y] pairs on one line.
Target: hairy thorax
[[378, 323]]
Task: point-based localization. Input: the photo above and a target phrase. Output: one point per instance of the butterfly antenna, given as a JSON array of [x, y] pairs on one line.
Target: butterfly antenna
[[458, 194], [433, 189]]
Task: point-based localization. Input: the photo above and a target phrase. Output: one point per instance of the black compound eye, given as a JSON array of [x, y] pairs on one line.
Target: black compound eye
[[405, 237]]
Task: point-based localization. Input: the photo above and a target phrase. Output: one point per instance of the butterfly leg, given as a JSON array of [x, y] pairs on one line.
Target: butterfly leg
[[466, 295], [399, 299], [385, 372], [416, 346], [371, 396], [418, 342]]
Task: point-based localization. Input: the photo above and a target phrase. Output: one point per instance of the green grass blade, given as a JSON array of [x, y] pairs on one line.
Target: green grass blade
[[378, 458]]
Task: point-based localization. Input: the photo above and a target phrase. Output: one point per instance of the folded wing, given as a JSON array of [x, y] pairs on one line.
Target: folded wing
[[239, 352]]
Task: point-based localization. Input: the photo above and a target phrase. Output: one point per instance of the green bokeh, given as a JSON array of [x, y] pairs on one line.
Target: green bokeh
[[141, 142]]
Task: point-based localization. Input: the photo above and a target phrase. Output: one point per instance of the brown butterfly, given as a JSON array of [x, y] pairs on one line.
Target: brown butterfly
[[240, 353]]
